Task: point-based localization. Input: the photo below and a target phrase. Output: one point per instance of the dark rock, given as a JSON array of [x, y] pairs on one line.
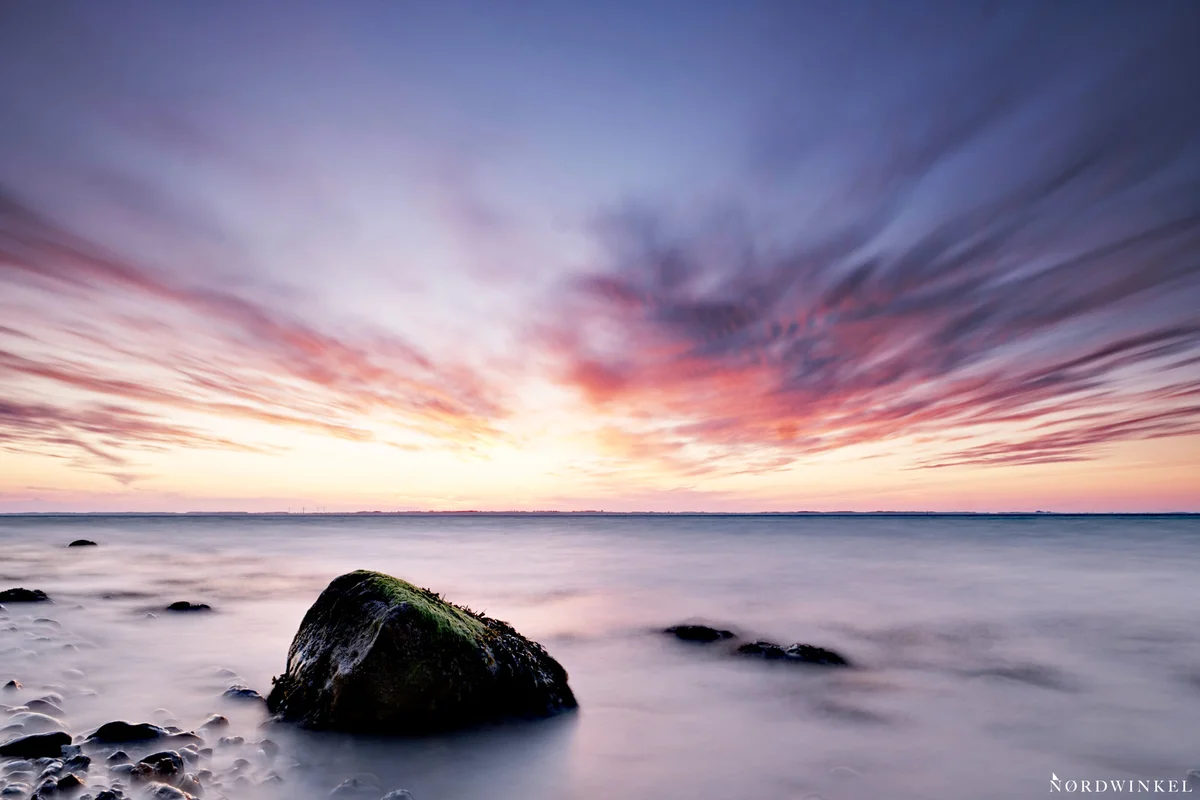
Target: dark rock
[[38, 745], [82, 543], [216, 721], [69, 783], [767, 650], [23, 596], [108, 794], [46, 788], [190, 784], [77, 763], [398, 794], [377, 654], [810, 654], [184, 605], [13, 685], [119, 757], [44, 706], [240, 692], [165, 767], [796, 653], [121, 769], [122, 732], [699, 633]]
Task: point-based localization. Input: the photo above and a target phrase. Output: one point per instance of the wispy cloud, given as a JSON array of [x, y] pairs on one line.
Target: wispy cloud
[[1032, 318], [105, 330]]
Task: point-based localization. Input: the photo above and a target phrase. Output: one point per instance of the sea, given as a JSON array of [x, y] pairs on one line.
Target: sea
[[993, 655]]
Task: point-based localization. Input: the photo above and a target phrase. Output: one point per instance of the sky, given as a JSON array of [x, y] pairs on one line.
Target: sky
[[667, 256]]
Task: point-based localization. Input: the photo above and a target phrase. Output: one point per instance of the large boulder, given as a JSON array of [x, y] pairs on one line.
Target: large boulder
[[377, 654]]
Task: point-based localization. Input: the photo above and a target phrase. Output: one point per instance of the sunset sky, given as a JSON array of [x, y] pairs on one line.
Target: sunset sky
[[622, 255]]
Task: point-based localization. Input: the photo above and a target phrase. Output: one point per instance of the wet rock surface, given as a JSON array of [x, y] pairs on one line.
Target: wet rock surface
[[377, 654], [82, 543]]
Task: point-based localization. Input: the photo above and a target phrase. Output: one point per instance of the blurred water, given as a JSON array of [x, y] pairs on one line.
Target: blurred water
[[993, 650]]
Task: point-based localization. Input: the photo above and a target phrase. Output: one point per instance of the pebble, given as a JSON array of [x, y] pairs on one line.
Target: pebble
[[44, 706], [240, 692], [119, 757], [12, 685], [36, 722], [398, 794], [216, 721]]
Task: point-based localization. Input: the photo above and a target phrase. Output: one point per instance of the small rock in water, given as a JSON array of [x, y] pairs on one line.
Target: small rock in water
[[77, 763], [240, 692], [121, 769], [358, 785], [699, 633], [119, 757], [230, 741], [13, 685], [33, 722], [810, 654], [120, 732], [216, 721], [74, 674], [191, 784], [39, 745], [17, 789], [165, 766], [162, 791], [398, 794], [184, 605], [20, 595], [796, 653], [108, 794], [82, 543], [53, 623], [69, 783], [44, 706]]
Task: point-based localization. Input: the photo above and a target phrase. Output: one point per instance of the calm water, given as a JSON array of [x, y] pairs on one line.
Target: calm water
[[993, 650]]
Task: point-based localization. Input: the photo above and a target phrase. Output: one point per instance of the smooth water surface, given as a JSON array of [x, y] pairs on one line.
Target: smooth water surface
[[991, 651]]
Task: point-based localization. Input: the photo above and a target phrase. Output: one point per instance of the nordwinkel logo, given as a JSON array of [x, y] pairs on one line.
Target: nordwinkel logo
[[1123, 786]]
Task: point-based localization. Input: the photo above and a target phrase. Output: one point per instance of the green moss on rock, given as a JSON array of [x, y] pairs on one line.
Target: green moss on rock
[[378, 654]]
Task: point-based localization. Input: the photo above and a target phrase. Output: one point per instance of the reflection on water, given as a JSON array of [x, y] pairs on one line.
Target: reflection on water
[[992, 651]]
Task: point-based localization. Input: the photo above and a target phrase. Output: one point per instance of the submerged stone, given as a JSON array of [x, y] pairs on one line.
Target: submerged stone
[[82, 543], [377, 654], [240, 692], [699, 633], [796, 653], [20, 595]]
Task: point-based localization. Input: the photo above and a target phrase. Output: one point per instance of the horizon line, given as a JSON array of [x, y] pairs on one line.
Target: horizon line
[[595, 513]]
